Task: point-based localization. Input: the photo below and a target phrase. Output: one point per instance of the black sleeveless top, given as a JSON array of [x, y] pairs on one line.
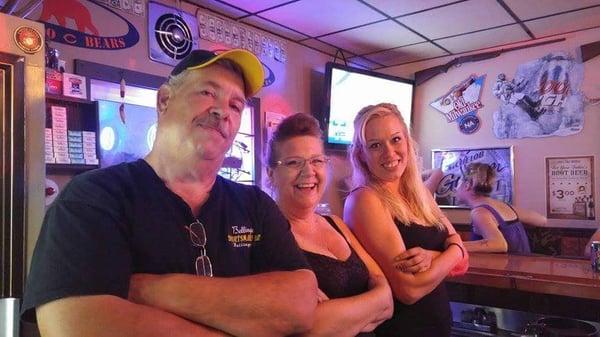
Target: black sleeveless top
[[430, 316], [339, 278]]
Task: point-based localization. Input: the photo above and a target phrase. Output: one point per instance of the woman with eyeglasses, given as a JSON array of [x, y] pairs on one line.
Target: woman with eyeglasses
[[497, 226], [393, 214], [353, 294]]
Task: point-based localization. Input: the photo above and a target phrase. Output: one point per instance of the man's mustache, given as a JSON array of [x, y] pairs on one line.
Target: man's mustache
[[212, 122]]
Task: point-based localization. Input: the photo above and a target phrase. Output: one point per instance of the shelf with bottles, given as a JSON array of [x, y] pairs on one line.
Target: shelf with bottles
[[71, 144]]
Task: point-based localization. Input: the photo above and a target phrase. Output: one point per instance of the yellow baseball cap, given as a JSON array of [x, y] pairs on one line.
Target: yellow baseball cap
[[251, 67]]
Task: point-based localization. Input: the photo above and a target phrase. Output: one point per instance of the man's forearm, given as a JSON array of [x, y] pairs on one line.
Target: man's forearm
[[105, 315], [270, 304]]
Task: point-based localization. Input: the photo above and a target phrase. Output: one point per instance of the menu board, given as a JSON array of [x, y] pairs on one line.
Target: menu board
[[570, 188], [453, 162]]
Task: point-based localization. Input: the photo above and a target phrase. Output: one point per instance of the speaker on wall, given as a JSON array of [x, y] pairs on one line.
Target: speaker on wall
[[172, 34]]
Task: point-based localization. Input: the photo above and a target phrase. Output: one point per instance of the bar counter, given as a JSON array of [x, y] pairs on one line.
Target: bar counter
[[533, 273]]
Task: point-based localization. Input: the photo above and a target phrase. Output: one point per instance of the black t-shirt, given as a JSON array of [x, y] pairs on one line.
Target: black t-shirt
[[110, 223]]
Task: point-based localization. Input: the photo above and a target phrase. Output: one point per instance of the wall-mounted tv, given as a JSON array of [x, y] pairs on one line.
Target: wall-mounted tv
[[125, 135], [349, 89]]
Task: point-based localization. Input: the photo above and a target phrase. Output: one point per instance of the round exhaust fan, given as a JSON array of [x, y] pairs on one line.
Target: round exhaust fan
[[173, 36]]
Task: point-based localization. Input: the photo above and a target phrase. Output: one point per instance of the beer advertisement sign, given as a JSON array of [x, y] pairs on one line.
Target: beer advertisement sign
[[453, 163], [570, 188], [543, 99], [461, 103]]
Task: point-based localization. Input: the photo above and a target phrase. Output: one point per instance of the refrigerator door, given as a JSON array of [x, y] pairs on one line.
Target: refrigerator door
[[22, 169], [12, 192], [12, 184]]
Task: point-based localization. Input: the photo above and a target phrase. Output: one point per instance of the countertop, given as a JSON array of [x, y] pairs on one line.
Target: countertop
[[533, 273]]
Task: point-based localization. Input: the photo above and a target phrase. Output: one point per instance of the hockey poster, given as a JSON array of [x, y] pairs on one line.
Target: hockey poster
[[542, 100]]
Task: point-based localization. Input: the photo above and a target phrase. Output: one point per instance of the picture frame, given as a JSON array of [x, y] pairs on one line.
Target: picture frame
[[453, 162], [74, 86], [570, 188]]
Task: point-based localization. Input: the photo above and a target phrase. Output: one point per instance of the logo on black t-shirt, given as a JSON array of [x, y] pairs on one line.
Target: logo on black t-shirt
[[242, 236]]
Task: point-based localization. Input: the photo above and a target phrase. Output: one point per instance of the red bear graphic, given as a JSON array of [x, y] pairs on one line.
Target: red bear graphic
[[63, 9]]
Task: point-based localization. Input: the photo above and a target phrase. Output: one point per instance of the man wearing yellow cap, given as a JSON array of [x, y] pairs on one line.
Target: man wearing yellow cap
[[164, 246]]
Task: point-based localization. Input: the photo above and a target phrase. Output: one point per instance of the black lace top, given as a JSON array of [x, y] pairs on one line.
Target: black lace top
[[339, 278]]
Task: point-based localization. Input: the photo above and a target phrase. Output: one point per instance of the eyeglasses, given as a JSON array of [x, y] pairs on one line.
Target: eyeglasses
[[297, 163], [198, 238]]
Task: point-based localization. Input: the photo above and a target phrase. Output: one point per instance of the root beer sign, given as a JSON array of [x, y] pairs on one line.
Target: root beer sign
[[86, 34]]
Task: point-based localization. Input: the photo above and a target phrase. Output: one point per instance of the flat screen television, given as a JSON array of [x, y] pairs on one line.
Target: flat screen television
[[348, 89], [125, 135]]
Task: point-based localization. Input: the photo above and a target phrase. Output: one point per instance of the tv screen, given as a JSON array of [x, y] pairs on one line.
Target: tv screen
[[125, 135], [350, 89]]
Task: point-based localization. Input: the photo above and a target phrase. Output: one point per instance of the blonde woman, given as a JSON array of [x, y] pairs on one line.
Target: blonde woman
[[396, 219], [497, 226]]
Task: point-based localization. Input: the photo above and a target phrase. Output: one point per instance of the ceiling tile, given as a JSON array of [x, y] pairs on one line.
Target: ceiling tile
[[407, 54], [460, 18], [222, 8], [314, 17], [370, 38], [254, 6], [535, 8], [396, 8], [362, 63], [484, 39], [565, 22], [273, 27], [324, 47]]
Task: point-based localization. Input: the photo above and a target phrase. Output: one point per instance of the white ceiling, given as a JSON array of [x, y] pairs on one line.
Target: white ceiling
[[376, 34]]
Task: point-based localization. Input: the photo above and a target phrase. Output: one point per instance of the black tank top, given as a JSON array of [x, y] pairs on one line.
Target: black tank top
[[430, 316], [339, 278]]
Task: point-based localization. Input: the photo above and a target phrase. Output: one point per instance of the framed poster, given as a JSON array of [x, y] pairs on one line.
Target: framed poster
[[570, 188], [453, 162]]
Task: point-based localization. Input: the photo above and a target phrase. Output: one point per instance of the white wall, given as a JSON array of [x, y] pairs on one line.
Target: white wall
[[432, 131], [288, 94]]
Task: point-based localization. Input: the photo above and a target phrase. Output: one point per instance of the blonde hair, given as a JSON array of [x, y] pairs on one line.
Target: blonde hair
[[409, 206], [481, 177]]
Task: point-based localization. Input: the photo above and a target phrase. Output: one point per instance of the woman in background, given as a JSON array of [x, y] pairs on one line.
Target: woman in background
[[395, 217], [354, 296], [431, 178], [497, 226]]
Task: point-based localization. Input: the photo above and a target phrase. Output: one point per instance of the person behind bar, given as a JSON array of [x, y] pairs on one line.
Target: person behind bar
[[431, 178], [354, 296], [164, 246], [395, 217], [497, 226]]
